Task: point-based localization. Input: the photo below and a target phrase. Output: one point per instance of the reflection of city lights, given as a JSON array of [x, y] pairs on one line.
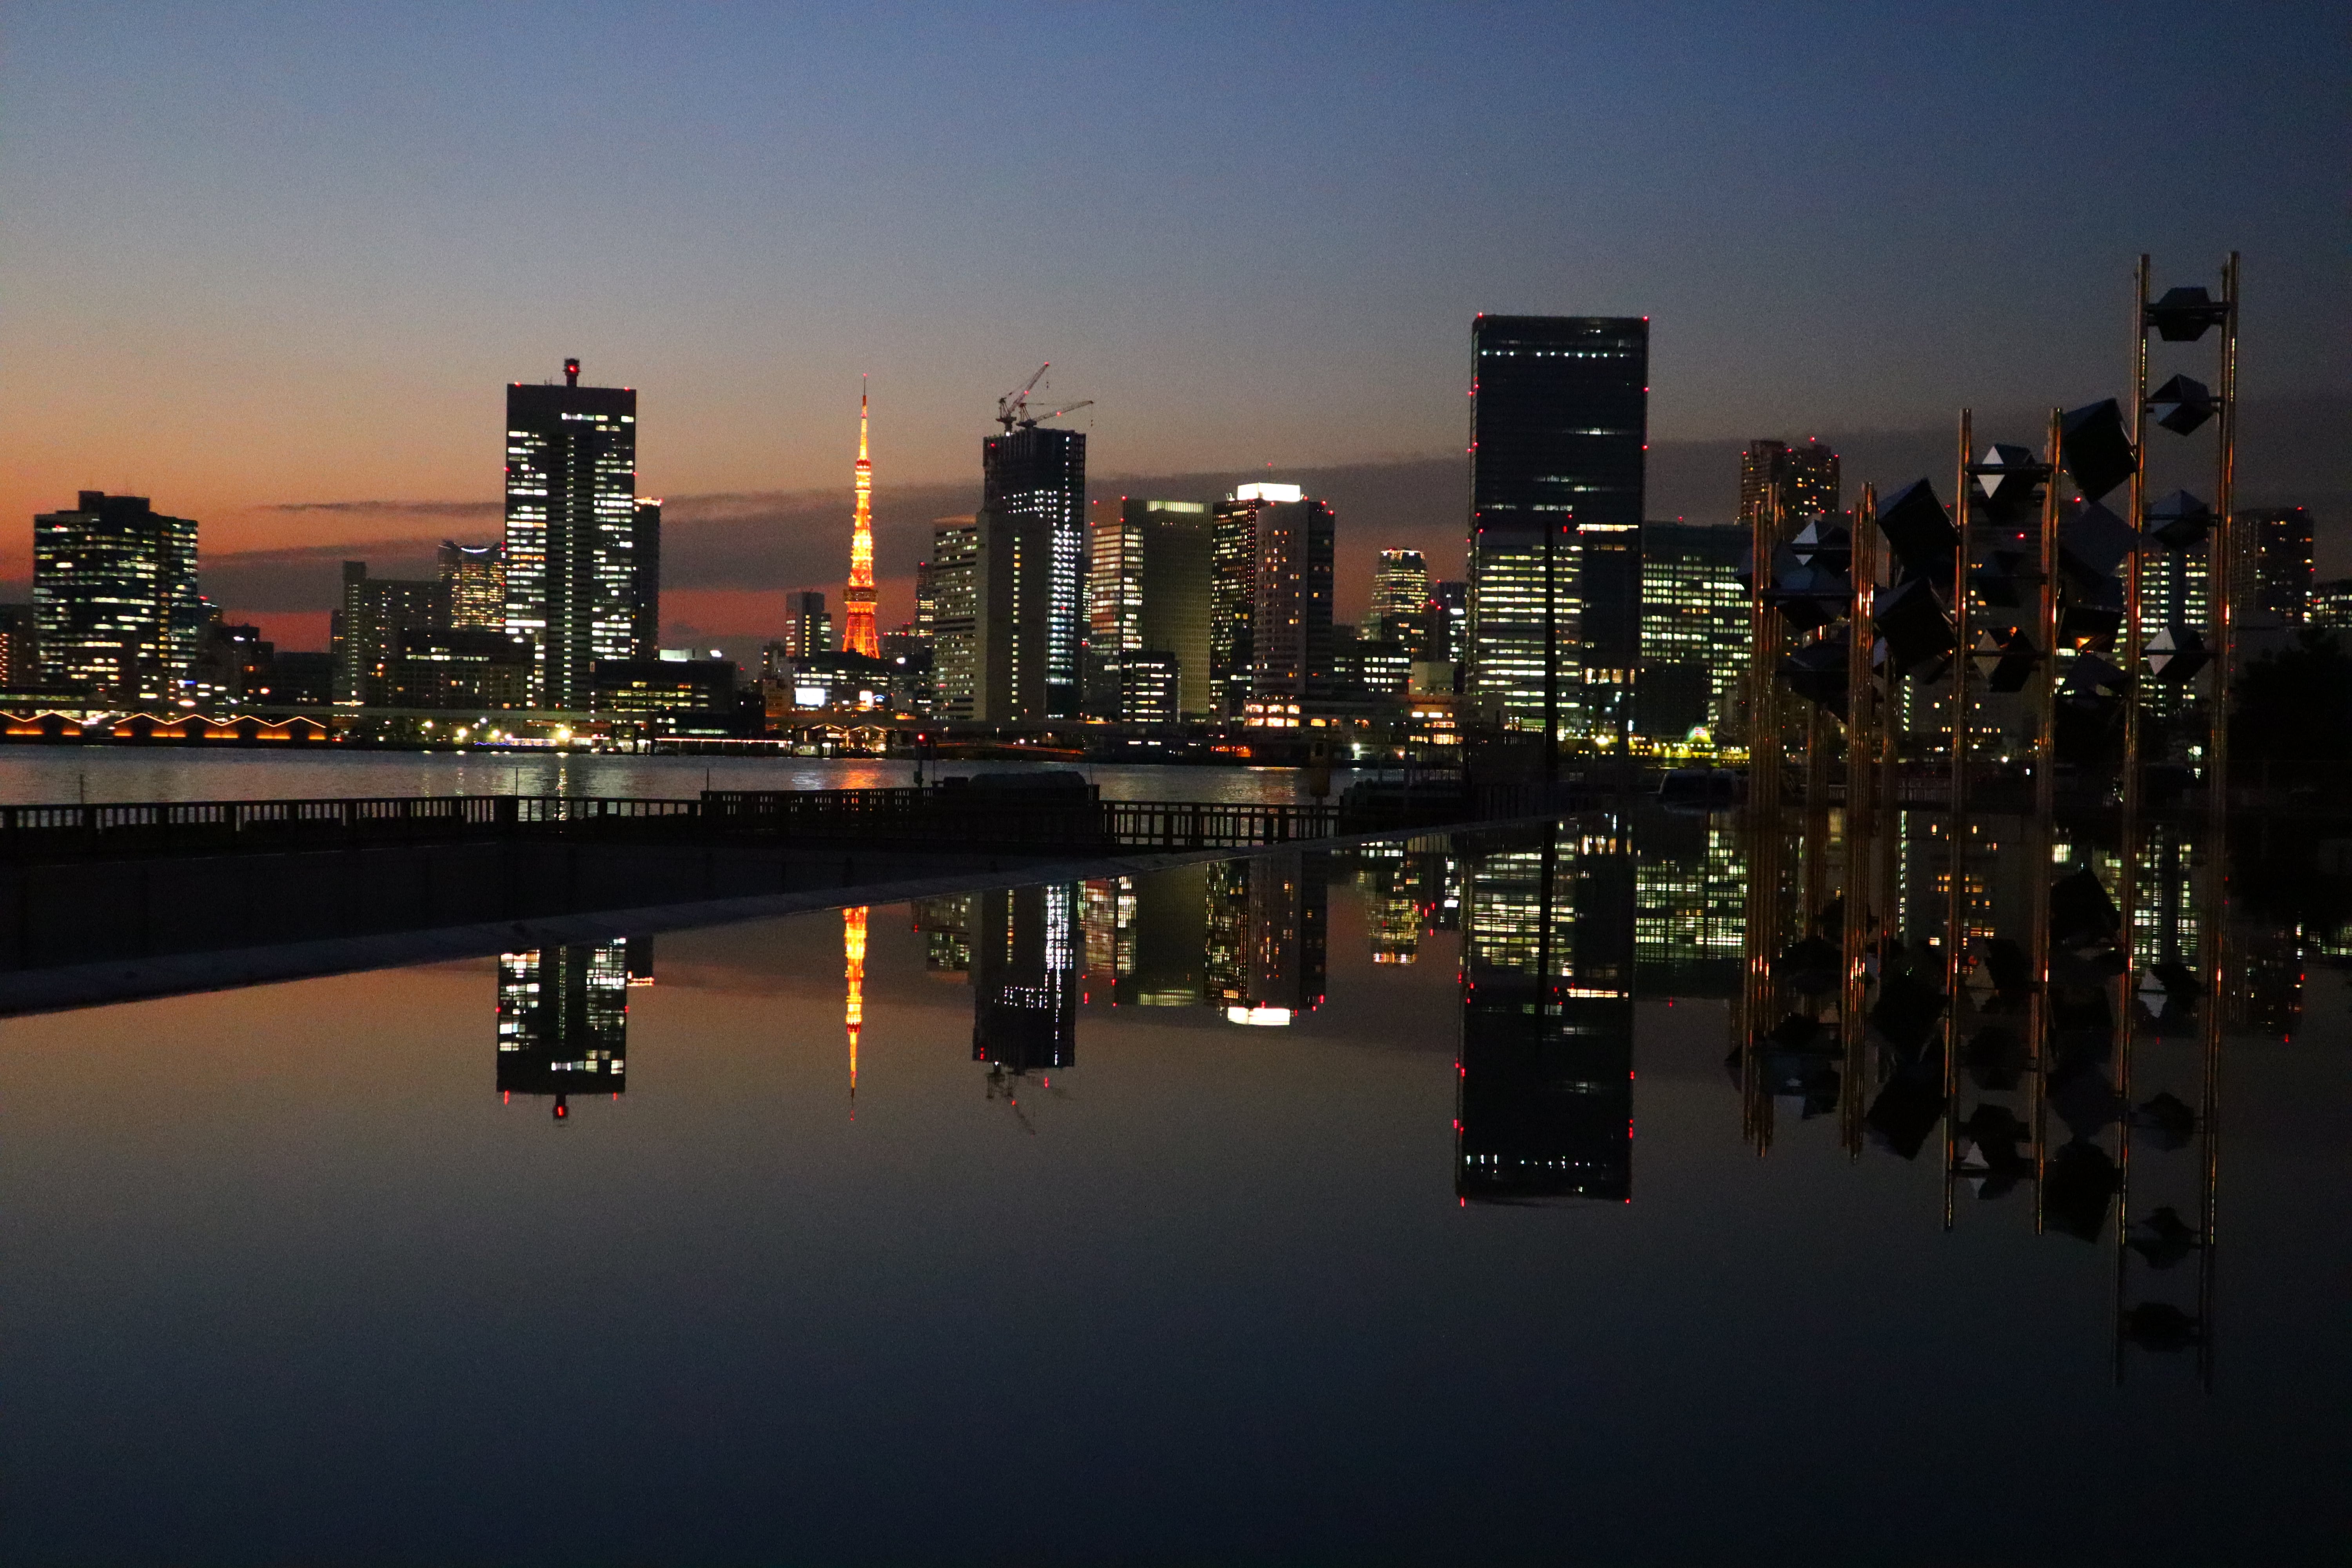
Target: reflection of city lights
[[1265, 1018]]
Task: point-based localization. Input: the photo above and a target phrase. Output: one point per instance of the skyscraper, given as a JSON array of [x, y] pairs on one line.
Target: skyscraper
[[1694, 626], [956, 653], [1449, 608], [474, 580], [572, 507], [1558, 430], [645, 580], [1232, 590], [115, 604], [1033, 542], [1400, 602], [1803, 478], [1292, 644], [858, 633], [808, 625], [1148, 592]]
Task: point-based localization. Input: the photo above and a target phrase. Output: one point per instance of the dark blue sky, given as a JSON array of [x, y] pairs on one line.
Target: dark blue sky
[[261, 254]]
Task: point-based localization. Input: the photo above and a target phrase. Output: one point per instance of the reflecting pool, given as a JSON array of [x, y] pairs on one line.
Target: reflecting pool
[[1453, 1199]]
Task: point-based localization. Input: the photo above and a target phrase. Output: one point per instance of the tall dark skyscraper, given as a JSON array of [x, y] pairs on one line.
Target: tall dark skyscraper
[[1033, 539], [1233, 589], [571, 530], [645, 580], [1558, 425], [114, 599]]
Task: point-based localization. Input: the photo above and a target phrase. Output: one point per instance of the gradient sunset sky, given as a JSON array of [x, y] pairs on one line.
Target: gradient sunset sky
[[259, 257]]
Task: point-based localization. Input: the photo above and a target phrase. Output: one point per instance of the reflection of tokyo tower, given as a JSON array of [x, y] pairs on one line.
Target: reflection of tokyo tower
[[857, 598], [853, 953]]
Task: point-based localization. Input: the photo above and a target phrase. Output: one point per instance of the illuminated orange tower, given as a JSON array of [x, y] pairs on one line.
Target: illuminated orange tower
[[857, 599], [853, 953]]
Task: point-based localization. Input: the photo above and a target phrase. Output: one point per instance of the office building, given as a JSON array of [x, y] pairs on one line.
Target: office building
[[476, 667], [808, 625], [645, 580], [1150, 580], [1802, 481], [1694, 627], [1400, 602], [2331, 604], [376, 613], [563, 1021], [1032, 539], [1559, 421], [1232, 590], [2273, 571], [1449, 609], [571, 530], [1291, 644], [1025, 977], [671, 696], [474, 579], [954, 581], [115, 607]]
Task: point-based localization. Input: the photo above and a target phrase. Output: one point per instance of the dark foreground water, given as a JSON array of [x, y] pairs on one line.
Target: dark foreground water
[[314, 1273]]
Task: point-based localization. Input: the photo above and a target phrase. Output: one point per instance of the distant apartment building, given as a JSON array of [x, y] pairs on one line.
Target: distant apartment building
[[115, 606], [2273, 571], [1292, 645], [1232, 590], [1801, 480], [376, 613]]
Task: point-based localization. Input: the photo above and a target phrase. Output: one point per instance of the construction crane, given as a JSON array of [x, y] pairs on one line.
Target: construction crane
[[1012, 408]]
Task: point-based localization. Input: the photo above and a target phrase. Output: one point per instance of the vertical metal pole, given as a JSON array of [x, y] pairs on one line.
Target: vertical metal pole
[[2217, 806], [1862, 712], [2128, 835], [2046, 808], [1955, 899]]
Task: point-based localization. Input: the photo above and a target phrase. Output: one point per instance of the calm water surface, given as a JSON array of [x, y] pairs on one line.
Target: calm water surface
[[1059, 1258], [47, 775]]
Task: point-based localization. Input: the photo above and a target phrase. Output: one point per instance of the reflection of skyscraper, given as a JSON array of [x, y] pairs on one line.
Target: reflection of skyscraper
[[946, 924], [1168, 938], [1024, 976], [1690, 906], [1267, 947], [1544, 1096], [1393, 915], [563, 1021]]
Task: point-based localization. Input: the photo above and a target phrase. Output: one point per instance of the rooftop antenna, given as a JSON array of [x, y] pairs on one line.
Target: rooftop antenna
[[571, 371]]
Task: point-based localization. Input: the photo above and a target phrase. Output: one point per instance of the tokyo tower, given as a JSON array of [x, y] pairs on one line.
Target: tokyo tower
[[857, 599]]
